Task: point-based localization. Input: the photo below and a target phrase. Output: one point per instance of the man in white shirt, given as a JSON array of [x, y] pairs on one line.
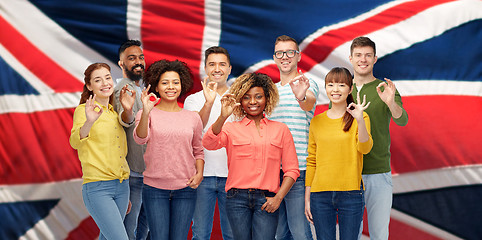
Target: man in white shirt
[[208, 104]]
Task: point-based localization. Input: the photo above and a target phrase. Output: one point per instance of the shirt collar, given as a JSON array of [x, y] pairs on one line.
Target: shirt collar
[[110, 107], [246, 121]]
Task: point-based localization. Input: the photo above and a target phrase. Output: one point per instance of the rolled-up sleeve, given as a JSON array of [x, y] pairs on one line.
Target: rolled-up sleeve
[[289, 159], [214, 142], [79, 120], [365, 147]]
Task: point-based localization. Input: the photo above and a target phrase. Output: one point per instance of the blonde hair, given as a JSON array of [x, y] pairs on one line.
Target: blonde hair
[[249, 80]]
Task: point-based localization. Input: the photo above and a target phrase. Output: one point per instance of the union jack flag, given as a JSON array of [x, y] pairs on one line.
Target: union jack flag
[[432, 49]]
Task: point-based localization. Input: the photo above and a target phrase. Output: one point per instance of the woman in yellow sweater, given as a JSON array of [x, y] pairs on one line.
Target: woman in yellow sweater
[[102, 147], [334, 186]]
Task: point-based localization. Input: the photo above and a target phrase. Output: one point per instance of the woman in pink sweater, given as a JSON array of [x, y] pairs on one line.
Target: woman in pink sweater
[[174, 154]]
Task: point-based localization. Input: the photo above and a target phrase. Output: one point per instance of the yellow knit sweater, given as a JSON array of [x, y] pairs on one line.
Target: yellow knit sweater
[[335, 157]]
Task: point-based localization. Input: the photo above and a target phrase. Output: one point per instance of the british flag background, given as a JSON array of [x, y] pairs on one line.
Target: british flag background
[[432, 49]]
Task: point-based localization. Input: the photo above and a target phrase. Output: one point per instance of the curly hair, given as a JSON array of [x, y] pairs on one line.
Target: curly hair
[[86, 93], [249, 80], [155, 71]]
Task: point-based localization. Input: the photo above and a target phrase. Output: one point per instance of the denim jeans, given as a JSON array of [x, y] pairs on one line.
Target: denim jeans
[[292, 223], [210, 189], [142, 232], [248, 221], [107, 203], [169, 212], [347, 205], [130, 222], [378, 198]]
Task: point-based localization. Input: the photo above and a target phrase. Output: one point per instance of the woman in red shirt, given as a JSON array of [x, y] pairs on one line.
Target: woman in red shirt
[[256, 148]]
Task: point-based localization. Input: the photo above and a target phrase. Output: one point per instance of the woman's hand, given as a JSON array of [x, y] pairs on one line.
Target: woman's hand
[[92, 110], [195, 180], [271, 204], [308, 215], [228, 104], [149, 100], [356, 110]]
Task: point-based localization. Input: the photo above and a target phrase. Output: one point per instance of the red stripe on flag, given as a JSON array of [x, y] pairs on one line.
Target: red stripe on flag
[[401, 231], [440, 133], [174, 30], [87, 230], [320, 48], [450, 133], [36, 61], [35, 148]]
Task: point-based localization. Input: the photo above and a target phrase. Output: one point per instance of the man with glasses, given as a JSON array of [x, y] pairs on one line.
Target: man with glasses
[[297, 100]]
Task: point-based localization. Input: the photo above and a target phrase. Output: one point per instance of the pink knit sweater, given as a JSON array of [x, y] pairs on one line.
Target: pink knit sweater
[[173, 145]]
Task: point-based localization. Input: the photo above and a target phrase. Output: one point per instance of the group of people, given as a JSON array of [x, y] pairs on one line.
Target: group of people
[[152, 168]]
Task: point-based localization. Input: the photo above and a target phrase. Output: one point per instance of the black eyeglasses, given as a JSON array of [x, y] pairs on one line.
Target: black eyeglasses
[[289, 53]]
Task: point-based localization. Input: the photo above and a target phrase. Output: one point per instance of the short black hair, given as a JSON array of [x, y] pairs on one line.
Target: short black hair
[[127, 44], [216, 49]]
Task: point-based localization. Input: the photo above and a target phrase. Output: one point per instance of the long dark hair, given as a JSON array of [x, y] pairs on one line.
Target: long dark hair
[[86, 93], [342, 75]]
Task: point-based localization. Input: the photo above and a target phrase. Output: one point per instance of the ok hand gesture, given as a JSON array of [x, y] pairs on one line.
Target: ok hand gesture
[[149, 100], [92, 110], [388, 94], [228, 104], [356, 110], [127, 100], [209, 90], [299, 85]]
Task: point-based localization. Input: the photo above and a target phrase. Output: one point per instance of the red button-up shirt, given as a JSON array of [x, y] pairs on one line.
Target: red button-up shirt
[[254, 158]]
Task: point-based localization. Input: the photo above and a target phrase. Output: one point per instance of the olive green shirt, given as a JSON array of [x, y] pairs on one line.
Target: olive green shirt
[[378, 159]]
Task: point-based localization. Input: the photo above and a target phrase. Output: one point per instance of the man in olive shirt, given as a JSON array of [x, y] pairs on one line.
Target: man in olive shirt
[[385, 104]]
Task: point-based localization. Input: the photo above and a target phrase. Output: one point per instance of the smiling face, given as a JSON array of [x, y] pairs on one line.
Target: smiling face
[[133, 63], [286, 65], [101, 84], [338, 85], [169, 86], [363, 59], [253, 102], [218, 68], [337, 92]]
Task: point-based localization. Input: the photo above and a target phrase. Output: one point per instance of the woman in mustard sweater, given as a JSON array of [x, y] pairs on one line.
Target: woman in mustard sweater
[[334, 186]]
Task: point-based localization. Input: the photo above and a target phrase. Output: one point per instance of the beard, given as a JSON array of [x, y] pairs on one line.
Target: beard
[[133, 75]]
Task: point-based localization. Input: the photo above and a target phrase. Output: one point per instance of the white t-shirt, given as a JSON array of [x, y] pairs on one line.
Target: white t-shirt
[[215, 162]]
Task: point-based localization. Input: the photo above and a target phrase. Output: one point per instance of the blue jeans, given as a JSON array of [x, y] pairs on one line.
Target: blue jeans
[[248, 221], [210, 189], [378, 198], [130, 222], [142, 232], [292, 223], [107, 203], [347, 205], [169, 212]]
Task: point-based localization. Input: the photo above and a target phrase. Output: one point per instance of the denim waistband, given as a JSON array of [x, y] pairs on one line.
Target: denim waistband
[[249, 190]]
